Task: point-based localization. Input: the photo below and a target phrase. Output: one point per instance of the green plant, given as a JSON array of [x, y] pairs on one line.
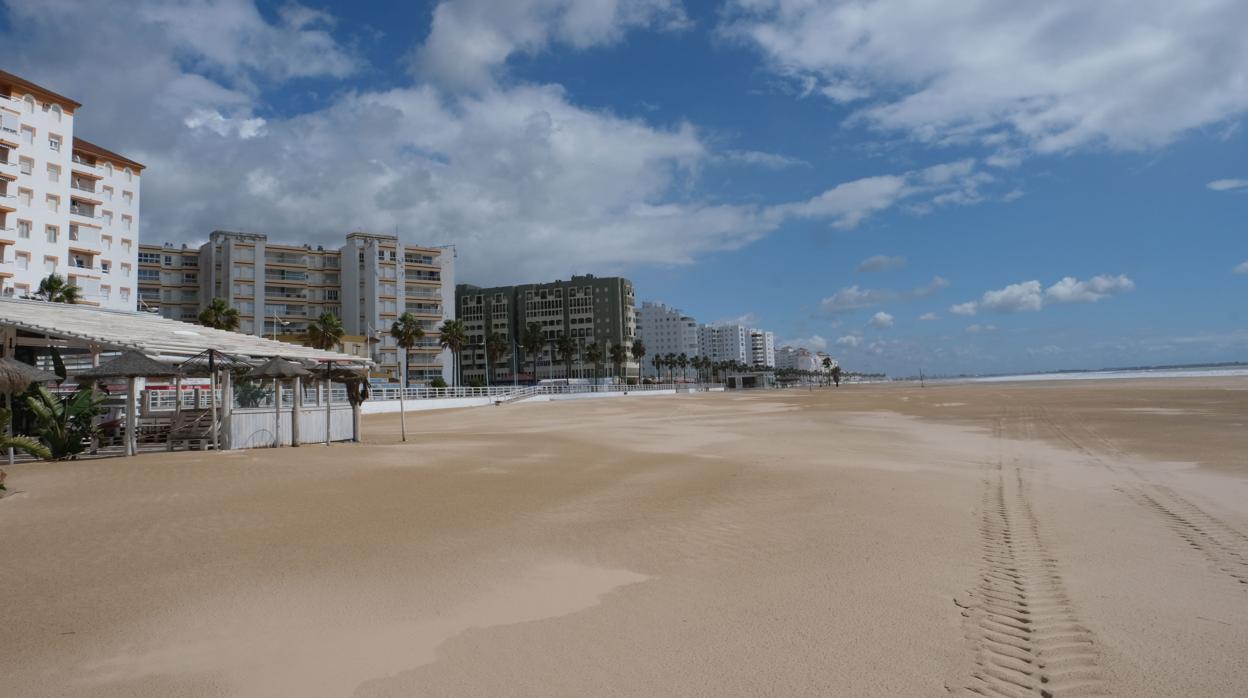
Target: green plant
[[325, 332], [55, 289], [453, 335], [17, 442], [249, 393], [437, 383], [475, 382], [64, 424], [219, 315], [495, 346], [533, 341]]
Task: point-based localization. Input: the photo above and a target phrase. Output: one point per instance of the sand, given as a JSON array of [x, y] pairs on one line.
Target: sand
[[1021, 540]]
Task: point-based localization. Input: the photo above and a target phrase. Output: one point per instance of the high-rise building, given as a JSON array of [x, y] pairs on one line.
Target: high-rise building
[[666, 330], [280, 289], [67, 206], [586, 308], [799, 359], [739, 344]]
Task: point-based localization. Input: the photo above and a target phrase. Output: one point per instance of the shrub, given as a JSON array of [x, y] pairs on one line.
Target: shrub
[[437, 383]]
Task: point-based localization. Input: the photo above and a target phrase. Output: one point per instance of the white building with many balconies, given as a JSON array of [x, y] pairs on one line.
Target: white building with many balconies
[[666, 330], [67, 206]]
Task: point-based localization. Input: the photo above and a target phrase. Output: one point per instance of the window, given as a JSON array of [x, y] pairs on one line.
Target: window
[[104, 292], [108, 193], [125, 270], [108, 169], [54, 203], [149, 275], [28, 135], [331, 294], [105, 266], [125, 294], [127, 223], [125, 246], [24, 196], [108, 218], [107, 241], [56, 112], [23, 229], [191, 278], [129, 174], [23, 260], [27, 165], [29, 103], [54, 142], [127, 197], [54, 173], [52, 233], [49, 264], [149, 258]]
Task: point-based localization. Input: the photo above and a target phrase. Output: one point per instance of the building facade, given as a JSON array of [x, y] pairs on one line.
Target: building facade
[[800, 359], [666, 330], [586, 308], [762, 349], [739, 344], [67, 206], [280, 289]]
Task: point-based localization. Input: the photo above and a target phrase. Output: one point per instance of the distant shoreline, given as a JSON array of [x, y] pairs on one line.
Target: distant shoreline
[[1179, 371]]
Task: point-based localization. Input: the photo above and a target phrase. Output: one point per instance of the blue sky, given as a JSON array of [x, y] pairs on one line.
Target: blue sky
[[1055, 188]]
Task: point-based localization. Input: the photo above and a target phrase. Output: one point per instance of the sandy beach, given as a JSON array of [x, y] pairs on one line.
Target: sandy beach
[[1059, 539]]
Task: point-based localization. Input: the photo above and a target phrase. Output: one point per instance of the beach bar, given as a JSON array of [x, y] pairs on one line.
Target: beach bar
[[197, 389]]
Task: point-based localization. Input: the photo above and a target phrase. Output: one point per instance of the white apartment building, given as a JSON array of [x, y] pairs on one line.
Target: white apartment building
[[725, 343], [800, 359], [666, 330], [67, 206], [762, 349]]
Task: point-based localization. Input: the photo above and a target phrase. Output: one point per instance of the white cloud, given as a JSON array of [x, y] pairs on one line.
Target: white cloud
[[1014, 298], [756, 158], [813, 343], [1028, 296], [882, 320], [471, 40], [748, 320], [881, 263], [1228, 184], [1128, 73], [929, 316], [856, 298], [1241, 268], [1072, 290], [978, 329], [849, 340]]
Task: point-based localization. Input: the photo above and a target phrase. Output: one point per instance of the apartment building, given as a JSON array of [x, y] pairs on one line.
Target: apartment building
[[800, 359], [67, 206], [666, 330], [280, 289], [586, 308], [738, 343]]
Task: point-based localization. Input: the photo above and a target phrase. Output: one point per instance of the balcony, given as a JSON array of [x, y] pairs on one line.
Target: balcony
[[90, 287], [84, 237], [422, 292], [270, 293], [86, 186], [297, 260], [432, 276], [86, 211], [282, 275]]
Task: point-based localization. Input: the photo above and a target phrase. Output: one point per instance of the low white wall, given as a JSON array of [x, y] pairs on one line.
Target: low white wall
[[253, 428], [436, 403], [590, 396]]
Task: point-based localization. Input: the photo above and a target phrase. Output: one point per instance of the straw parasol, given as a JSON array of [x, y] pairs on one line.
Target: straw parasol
[[211, 363], [15, 377], [280, 369], [131, 365]]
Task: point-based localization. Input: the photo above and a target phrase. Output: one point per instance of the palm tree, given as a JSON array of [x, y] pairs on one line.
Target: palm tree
[[595, 354], [657, 360], [566, 347], [836, 375], [496, 345], [17, 442], [639, 353], [454, 337], [670, 361], [325, 332], [619, 354], [827, 368], [219, 315], [683, 362], [533, 342], [55, 289], [407, 333]]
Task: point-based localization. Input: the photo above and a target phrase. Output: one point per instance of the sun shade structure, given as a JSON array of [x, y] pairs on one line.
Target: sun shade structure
[[15, 377], [130, 364], [277, 367], [280, 369], [166, 340]]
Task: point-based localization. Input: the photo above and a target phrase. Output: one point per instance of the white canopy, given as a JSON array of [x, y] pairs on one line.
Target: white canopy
[[160, 338]]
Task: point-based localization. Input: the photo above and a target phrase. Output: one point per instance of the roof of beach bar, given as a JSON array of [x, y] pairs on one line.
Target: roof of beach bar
[[158, 337]]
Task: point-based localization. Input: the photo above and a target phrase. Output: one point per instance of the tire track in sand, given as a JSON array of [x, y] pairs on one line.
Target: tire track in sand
[[1028, 641], [1225, 546]]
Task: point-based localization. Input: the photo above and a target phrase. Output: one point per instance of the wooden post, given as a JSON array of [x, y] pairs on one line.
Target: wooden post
[[132, 407], [295, 410], [177, 411], [212, 398], [8, 404], [328, 386], [227, 409], [277, 413]]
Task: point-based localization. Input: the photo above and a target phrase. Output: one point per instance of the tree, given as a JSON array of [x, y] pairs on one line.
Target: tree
[[533, 342], [17, 442], [682, 360], [639, 353], [55, 289], [657, 361], [836, 375], [619, 355], [65, 423], [325, 332], [407, 333], [566, 348], [595, 354], [496, 345], [454, 335], [219, 315], [669, 360]]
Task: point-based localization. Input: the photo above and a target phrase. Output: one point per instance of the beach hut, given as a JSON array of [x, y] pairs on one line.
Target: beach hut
[[130, 365], [16, 377], [279, 370]]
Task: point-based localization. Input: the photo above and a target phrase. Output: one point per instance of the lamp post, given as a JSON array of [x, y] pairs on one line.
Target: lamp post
[[276, 320]]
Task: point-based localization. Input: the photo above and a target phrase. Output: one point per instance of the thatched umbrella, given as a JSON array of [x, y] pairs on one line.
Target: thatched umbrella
[[15, 377], [355, 382], [211, 363], [280, 369], [131, 365]]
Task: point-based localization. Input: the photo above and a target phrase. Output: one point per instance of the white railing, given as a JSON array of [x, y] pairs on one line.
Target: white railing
[[510, 392]]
